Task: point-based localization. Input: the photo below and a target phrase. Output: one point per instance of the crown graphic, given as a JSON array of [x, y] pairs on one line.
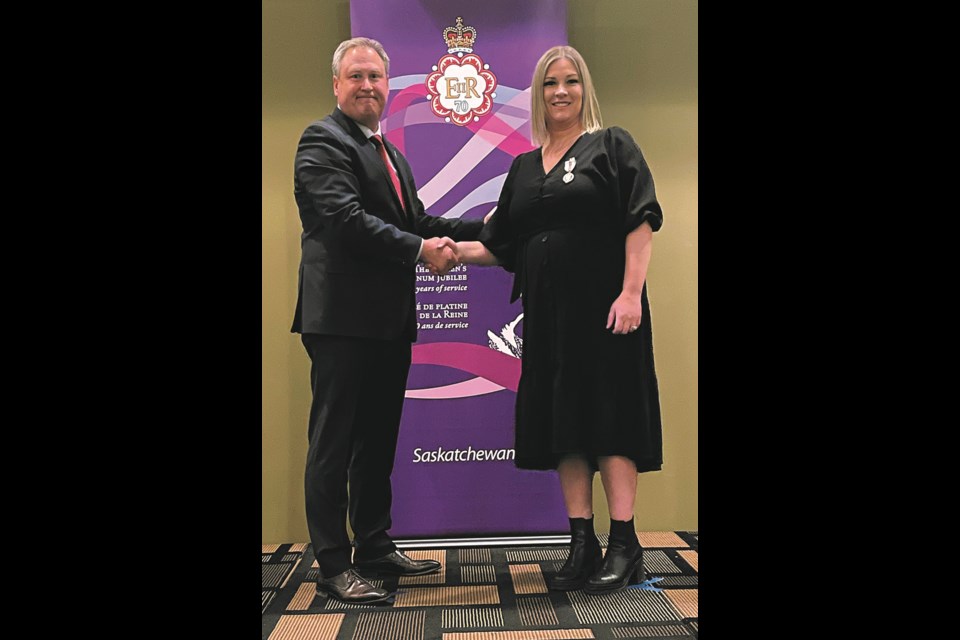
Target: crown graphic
[[460, 38]]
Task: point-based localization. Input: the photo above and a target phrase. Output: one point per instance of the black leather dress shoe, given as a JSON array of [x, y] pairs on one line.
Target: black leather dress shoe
[[350, 587], [397, 564]]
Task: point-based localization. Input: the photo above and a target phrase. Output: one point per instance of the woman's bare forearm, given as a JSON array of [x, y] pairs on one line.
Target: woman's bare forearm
[[473, 252]]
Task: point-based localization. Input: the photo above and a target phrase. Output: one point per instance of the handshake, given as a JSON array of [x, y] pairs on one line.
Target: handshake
[[439, 255]]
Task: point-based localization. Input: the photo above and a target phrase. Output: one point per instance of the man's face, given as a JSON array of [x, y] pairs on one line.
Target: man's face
[[362, 86]]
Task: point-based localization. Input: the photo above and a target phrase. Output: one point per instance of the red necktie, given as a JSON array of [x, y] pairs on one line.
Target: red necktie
[[393, 174]]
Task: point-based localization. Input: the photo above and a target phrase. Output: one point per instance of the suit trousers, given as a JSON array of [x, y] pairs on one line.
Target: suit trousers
[[358, 389]]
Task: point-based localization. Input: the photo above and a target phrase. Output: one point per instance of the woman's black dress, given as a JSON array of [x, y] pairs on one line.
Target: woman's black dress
[[582, 389]]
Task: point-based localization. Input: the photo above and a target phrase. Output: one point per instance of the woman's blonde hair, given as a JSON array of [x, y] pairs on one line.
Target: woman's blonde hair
[[590, 109]]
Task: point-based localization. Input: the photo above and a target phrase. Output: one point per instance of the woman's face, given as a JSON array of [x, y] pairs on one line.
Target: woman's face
[[562, 94]]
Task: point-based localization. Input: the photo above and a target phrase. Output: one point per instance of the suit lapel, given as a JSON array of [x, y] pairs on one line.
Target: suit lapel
[[373, 155], [406, 181], [373, 163]]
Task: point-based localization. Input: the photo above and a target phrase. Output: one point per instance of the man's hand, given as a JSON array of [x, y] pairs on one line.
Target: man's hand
[[439, 255]]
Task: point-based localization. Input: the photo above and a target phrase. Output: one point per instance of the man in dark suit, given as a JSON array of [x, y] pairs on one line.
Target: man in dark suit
[[364, 229]]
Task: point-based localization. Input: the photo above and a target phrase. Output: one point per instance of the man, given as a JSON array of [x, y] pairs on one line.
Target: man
[[364, 229]]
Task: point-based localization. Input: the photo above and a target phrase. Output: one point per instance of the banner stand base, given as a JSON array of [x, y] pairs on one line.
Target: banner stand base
[[482, 542]]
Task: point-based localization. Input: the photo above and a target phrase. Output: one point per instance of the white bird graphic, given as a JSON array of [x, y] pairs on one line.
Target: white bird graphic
[[508, 341]]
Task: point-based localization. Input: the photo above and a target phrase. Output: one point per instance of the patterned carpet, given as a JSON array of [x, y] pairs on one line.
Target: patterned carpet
[[492, 593]]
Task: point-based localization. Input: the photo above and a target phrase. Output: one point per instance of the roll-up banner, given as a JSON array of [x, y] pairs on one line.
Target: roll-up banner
[[459, 110]]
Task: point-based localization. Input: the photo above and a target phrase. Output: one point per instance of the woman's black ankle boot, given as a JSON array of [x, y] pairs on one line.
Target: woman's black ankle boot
[[584, 559], [623, 563]]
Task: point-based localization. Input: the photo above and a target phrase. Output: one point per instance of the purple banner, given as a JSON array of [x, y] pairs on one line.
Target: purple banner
[[459, 110]]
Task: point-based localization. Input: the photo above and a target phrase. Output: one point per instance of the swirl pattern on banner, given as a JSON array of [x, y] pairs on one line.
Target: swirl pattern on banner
[[507, 129]]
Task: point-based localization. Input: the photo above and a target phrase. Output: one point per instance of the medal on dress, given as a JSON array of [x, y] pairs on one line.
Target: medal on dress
[[568, 167]]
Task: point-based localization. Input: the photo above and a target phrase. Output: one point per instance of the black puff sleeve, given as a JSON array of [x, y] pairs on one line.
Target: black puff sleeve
[[637, 198], [498, 235]]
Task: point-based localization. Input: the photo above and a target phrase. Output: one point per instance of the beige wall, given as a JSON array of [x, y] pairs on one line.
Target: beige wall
[[643, 57]]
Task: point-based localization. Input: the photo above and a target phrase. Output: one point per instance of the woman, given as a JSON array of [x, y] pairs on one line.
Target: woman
[[574, 222]]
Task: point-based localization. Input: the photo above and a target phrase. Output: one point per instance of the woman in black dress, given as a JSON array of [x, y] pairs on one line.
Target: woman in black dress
[[574, 222]]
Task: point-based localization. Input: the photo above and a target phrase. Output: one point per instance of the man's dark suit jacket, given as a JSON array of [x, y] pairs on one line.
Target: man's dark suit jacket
[[357, 272]]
